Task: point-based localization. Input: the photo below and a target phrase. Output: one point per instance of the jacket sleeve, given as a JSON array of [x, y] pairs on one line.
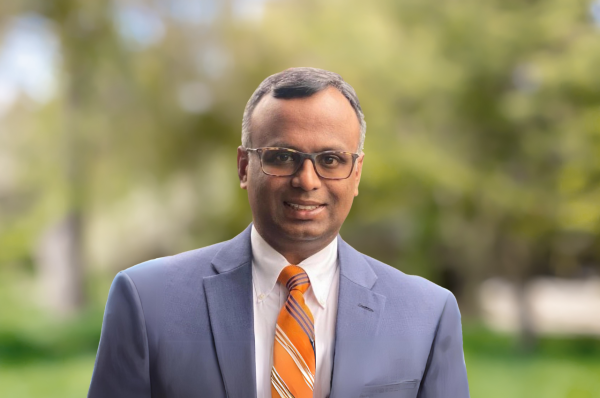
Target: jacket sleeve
[[122, 363], [446, 373]]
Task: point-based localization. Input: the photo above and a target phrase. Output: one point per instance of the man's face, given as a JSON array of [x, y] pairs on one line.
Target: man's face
[[321, 122]]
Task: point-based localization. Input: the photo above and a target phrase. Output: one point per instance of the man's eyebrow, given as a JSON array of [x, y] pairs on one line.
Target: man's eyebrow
[[280, 144]]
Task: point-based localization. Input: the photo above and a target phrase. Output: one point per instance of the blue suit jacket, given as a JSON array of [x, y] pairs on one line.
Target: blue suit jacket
[[182, 326]]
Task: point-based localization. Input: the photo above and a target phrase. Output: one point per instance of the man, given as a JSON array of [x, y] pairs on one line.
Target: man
[[286, 308]]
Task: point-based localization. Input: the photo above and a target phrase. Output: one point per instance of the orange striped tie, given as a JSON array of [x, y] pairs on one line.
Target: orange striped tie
[[293, 372]]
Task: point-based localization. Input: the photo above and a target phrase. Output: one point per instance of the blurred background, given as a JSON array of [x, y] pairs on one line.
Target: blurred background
[[119, 122]]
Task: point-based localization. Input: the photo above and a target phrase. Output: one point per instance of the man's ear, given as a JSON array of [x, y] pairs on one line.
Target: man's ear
[[358, 172], [242, 167]]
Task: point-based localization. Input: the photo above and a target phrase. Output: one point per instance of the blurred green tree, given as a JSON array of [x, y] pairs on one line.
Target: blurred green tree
[[481, 152]]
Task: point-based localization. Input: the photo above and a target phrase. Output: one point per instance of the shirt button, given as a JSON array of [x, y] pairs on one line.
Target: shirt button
[[261, 296]]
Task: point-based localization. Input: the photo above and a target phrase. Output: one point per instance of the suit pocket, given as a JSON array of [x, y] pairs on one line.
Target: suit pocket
[[388, 390]]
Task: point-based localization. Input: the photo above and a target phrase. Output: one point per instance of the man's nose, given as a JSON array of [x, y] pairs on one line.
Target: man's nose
[[306, 177]]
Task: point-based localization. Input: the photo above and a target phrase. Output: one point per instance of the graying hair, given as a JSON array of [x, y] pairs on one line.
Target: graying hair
[[300, 83]]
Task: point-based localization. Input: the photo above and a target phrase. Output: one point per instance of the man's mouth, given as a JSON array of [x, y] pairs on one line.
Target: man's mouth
[[297, 206]]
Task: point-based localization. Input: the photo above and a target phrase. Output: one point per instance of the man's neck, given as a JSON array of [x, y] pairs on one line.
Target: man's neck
[[296, 251]]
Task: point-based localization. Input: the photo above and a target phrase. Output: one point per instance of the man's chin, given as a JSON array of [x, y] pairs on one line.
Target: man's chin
[[304, 232]]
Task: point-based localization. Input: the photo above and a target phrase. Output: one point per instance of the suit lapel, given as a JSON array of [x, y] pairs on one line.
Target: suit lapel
[[359, 312], [229, 298]]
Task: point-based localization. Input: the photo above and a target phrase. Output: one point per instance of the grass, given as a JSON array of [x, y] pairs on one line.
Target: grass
[[556, 368], [533, 377], [64, 378]]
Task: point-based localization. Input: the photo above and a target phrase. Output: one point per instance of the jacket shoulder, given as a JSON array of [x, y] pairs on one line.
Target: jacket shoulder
[[396, 283], [197, 262]]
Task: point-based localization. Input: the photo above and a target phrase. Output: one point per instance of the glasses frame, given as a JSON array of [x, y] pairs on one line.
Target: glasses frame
[[303, 156]]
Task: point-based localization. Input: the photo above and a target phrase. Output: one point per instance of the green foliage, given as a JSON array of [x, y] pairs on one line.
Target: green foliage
[[483, 123]]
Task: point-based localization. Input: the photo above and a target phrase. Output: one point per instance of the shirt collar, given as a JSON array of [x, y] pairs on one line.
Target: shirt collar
[[267, 265]]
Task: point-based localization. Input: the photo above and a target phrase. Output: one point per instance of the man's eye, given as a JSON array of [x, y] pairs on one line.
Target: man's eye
[[330, 160], [284, 157]]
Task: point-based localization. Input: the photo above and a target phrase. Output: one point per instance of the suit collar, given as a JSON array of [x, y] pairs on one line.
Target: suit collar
[[354, 266], [229, 299], [234, 253], [238, 251], [359, 314]]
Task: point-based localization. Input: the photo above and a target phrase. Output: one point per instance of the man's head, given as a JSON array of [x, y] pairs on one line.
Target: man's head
[[307, 110], [301, 83]]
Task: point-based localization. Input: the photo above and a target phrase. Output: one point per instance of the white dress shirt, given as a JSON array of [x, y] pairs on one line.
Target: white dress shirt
[[270, 296]]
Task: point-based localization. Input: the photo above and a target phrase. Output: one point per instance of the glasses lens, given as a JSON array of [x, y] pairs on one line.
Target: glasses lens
[[334, 164], [280, 162]]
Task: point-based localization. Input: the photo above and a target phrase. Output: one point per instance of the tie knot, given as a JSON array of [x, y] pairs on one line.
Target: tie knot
[[294, 277]]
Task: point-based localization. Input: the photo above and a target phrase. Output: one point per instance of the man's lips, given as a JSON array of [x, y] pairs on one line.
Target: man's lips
[[304, 210], [304, 205]]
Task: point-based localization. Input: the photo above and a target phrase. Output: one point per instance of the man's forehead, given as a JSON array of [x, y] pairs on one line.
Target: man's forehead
[[327, 111], [329, 96]]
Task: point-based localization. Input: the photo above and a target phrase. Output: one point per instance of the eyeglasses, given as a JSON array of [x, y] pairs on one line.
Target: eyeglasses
[[284, 162]]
